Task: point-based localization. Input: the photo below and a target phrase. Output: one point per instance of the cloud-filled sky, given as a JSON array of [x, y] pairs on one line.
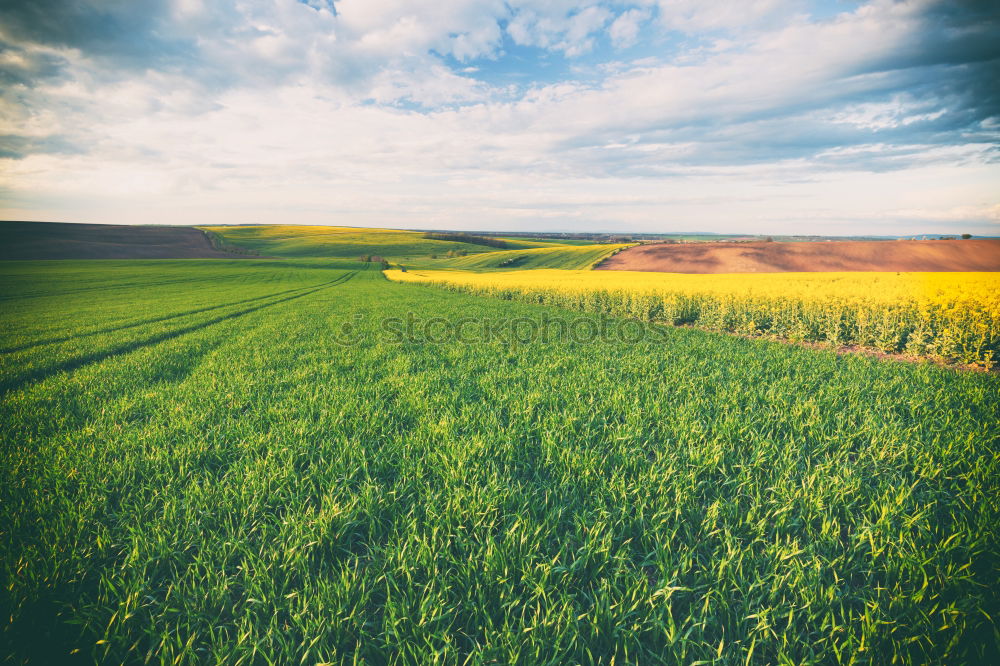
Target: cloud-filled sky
[[767, 116]]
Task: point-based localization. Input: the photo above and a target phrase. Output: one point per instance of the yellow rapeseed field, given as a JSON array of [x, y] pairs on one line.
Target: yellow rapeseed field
[[954, 316]]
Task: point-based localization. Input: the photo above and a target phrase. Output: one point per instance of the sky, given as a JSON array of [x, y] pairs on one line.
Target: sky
[[832, 117]]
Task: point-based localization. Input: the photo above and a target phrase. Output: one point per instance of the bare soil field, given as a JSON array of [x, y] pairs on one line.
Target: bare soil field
[[776, 257], [57, 240]]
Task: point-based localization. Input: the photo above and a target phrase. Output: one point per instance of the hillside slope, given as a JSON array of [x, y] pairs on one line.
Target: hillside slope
[[343, 242], [567, 257], [833, 256], [59, 240]]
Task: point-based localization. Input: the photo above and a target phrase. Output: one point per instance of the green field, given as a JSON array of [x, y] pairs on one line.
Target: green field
[[408, 248], [347, 242], [565, 257], [297, 461]]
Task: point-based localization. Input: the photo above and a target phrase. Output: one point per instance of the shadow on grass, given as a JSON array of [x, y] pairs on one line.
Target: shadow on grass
[[96, 357], [154, 320]]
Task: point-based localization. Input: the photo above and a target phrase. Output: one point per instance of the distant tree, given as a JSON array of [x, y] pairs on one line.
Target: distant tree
[[769, 239], [467, 238], [966, 236]]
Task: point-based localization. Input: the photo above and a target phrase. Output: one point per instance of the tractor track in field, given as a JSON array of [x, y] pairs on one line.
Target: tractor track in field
[[154, 320], [107, 287], [15, 384], [130, 285]]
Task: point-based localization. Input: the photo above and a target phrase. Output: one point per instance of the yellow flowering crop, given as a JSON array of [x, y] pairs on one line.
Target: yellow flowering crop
[[954, 316]]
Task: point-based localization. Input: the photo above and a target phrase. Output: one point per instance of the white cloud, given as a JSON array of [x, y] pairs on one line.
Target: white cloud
[[953, 214], [694, 16], [462, 28], [293, 114], [900, 111], [625, 29], [566, 27]]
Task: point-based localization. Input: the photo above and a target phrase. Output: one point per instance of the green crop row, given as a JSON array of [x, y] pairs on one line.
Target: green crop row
[[272, 481]]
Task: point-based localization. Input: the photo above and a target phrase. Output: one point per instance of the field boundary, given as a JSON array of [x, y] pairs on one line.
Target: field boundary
[[839, 349], [596, 264]]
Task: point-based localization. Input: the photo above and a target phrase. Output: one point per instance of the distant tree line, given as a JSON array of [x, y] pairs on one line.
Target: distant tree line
[[375, 259], [467, 238], [926, 237], [511, 261], [450, 253], [220, 244]]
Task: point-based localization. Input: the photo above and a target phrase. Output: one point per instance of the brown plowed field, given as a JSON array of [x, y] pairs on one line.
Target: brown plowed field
[[775, 257], [58, 240]]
